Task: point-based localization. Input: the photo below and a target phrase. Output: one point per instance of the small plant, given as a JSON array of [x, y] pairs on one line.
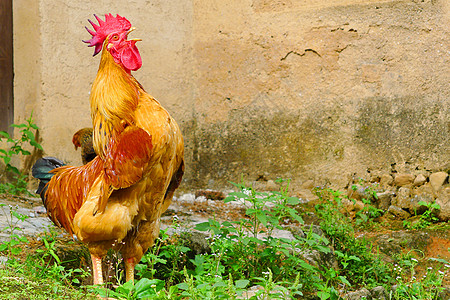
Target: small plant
[[365, 267], [27, 131], [167, 257], [365, 217], [11, 246], [426, 219], [252, 238], [426, 288], [142, 289]]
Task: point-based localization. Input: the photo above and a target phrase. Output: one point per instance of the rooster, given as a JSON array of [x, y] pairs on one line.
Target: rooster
[[116, 200], [83, 139]]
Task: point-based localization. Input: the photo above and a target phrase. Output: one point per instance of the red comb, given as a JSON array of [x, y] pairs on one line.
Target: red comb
[[104, 28]]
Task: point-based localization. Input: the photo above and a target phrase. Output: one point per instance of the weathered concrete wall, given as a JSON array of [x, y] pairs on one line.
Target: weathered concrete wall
[[266, 88]]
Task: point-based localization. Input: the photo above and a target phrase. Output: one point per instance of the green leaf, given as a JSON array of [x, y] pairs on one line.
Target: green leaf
[[439, 260], [3, 247], [307, 266], [239, 195], [5, 134], [18, 125], [14, 242], [15, 250], [184, 249], [229, 199], [261, 216], [183, 286], [126, 288], [25, 152], [36, 144], [352, 257], [240, 284], [293, 200], [143, 288], [219, 284], [344, 280], [202, 226], [323, 295]]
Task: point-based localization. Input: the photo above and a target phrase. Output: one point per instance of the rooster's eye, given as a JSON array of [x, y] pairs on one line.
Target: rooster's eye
[[115, 37]]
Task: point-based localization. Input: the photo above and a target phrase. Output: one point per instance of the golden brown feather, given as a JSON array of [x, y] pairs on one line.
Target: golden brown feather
[[116, 200]]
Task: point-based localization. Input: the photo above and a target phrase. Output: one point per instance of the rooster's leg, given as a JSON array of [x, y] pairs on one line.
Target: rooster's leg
[[97, 269], [129, 268]]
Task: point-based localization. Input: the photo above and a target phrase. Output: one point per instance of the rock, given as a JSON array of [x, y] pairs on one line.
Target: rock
[[419, 180], [359, 295], [437, 180], [297, 232], [403, 179], [308, 197], [312, 228], [386, 180], [378, 293], [444, 202], [403, 198], [198, 241], [348, 206], [425, 192], [210, 194], [416, 207], [319, 259], [187, 197], [308, 185], [3, 261], [359, 192], [384, 200], [311, 218], [395, 242], [397, 212], [272, 186]]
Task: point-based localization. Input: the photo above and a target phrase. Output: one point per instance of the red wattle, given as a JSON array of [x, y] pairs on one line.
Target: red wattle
[[130, 57]]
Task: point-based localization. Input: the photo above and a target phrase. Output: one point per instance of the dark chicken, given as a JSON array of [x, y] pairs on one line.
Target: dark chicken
[[83, 139]]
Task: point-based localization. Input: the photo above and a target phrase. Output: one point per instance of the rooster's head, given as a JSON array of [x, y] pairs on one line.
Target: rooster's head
[[114, 33]]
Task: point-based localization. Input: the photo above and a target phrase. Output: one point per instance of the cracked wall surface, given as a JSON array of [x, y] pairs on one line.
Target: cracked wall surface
[[264, 88]]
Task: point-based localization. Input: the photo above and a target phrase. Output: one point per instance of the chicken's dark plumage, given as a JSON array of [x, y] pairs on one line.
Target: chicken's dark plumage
[[41, 170]]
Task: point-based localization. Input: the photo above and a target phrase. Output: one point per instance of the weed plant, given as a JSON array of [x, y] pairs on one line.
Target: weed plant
[[246, 260], [17, 148]]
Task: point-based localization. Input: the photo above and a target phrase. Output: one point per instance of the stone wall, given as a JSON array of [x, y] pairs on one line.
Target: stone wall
[[265, 88]]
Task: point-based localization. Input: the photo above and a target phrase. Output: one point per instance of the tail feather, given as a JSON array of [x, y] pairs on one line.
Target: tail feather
[[42, 170], [64, 188]]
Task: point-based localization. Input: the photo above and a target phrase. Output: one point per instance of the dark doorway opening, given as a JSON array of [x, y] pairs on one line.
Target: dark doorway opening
[[6, 66]]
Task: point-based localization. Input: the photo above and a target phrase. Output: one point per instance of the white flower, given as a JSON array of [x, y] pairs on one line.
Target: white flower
[[413, 259], [248, 192]]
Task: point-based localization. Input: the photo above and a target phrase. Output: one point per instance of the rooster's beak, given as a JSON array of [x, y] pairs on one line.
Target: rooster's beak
[[130, 30]]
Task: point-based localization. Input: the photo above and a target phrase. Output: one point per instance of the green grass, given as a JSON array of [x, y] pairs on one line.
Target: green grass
[[24, 279], [245, 261]]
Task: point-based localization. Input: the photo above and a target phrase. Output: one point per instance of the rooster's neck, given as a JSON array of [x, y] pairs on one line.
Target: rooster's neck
[[114, 98]]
